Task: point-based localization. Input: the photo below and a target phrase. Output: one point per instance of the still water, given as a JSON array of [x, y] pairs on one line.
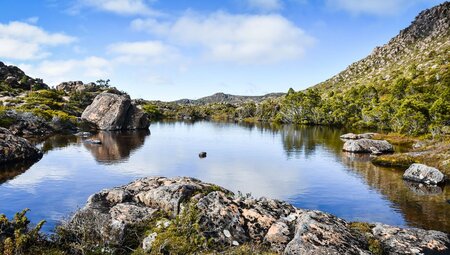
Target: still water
[[303, 165]]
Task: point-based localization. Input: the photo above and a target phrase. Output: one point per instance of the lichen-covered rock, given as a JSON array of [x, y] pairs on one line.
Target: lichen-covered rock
[[115, 112], [75, 86], [368, 146], [14, 77], [424, 174], [227, 220], [411, 241], [352, 136], [16, 149]]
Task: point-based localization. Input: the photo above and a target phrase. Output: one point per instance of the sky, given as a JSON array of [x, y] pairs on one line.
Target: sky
[[173, 49]]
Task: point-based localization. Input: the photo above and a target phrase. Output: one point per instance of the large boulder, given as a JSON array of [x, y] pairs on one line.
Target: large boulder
[[16, 149], [368, 146], [110, 218], [115, 112], [424, 174]]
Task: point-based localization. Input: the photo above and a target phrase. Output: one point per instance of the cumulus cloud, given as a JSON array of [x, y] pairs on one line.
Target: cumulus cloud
[[370, 6], [227, 37], [121, 7], [22, 41], [265, 5], [56, 71], [143, 51]]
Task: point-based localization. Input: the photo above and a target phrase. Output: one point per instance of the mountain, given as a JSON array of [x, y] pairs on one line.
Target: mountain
[[227, 98], [421, 47]]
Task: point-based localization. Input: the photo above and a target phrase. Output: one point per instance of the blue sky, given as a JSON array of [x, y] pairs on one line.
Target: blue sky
[[167, 49]]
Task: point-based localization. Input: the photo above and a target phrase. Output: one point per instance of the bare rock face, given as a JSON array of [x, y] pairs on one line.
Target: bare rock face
[[27, 124], [16, 149], [227, 219], [115, 112], [424, 174], [368, 146]]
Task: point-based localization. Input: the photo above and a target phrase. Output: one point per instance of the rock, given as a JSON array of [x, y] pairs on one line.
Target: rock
[[16, 149], [411, 241], [115, 112], [352, 136], [148, 241], [26, 124], [93, 141], [227, 220], [14, 77], [202, 154], [136, 119], [424, 174], [368, 146], [75, 86]]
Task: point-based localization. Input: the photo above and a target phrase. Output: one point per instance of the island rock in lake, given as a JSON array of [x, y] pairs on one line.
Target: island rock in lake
[[115, 112], [112, 216], [16, 149], [368, 146], [424, 174]]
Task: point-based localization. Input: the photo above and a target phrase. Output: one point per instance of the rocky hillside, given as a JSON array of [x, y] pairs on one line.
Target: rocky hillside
[[227, 98], [423, 47], [12, 77]]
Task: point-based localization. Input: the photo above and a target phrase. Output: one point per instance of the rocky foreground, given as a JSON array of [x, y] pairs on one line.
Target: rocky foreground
[[224, 219]]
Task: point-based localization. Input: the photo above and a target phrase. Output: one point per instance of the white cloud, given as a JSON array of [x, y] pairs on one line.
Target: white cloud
[[370, 6], [122, 7], [23, 41], [234, 38], [143, 51], [56, 71], [265, 5]]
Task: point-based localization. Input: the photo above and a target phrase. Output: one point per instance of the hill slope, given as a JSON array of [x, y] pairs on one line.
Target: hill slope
[[403, 86], [227, 98]]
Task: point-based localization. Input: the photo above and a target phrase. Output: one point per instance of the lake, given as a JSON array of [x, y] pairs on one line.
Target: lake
[[302, 165]]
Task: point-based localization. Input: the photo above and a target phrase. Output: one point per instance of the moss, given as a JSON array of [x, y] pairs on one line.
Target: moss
[[182, 236], [396, 139], [401, 160], [365, 230]]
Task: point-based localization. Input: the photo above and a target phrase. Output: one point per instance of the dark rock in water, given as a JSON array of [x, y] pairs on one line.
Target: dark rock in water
[[424, 174], [16, 149], [423, 189], [368, 146], [202, 154], [93, 141], [115, 112], [227, 219]]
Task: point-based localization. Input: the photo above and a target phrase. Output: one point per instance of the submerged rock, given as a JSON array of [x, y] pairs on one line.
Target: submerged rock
[[368, 146], [424, 174], [16, 149], [115, 112], [202, 154], [227, 219]]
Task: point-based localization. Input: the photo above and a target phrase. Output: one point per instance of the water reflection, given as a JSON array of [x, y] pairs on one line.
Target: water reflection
[[10, 171], [422, 206], [301, 164], [116, 146]]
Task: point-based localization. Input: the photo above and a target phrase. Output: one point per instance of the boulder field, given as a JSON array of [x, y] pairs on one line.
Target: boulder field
[[227, 220]]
